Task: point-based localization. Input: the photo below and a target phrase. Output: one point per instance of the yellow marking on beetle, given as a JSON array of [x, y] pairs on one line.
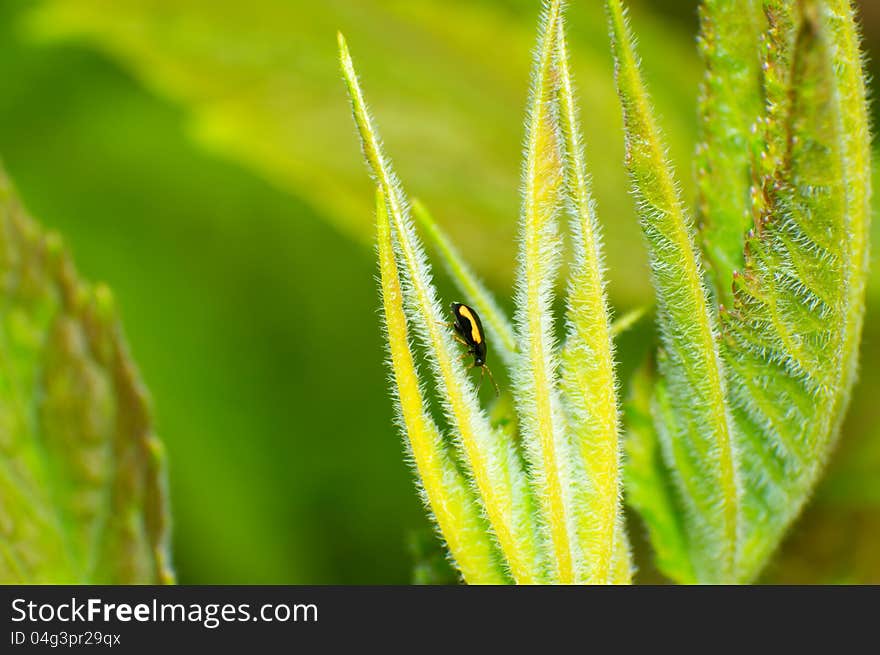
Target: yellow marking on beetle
[[475, 332]]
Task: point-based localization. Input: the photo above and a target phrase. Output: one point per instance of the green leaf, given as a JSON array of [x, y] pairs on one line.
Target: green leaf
[[588, 379], [82, 475], [491, 460], [730, 103], [792, 338], [699, 446], [535, 375], [447, 495]]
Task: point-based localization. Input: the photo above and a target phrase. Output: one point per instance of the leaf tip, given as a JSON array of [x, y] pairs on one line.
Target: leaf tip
[[345, 58], [342, 45]]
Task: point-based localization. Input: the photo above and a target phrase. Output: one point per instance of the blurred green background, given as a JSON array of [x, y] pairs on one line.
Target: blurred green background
[[198, 156]]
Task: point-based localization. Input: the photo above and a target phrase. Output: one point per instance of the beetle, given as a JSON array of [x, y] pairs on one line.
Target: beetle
[[469, 331]]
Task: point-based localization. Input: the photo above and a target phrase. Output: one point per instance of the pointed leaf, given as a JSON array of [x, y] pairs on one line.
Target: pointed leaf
[[700, 448], [451, 502], [535, 376], [589, 382]]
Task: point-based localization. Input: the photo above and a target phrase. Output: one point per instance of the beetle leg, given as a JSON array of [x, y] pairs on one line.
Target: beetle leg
[[454, 335], [480, 385]]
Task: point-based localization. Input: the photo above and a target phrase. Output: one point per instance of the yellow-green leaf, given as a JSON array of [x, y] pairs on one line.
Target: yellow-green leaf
[[699, 447], [451, 502], [588, 379]]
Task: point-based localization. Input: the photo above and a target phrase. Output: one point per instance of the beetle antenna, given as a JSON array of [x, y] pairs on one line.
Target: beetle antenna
[[491, 377]]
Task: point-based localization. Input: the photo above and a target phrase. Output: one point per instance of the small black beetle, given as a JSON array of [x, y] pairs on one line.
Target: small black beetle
[[469, 328]]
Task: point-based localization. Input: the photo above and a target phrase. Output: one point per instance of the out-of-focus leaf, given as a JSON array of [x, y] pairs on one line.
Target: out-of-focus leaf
[[430, 561], [82, 481], [623, 323], [109, 165], [830, 545], [648, 487], [261, 84], [853, 478], [874, 277]]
